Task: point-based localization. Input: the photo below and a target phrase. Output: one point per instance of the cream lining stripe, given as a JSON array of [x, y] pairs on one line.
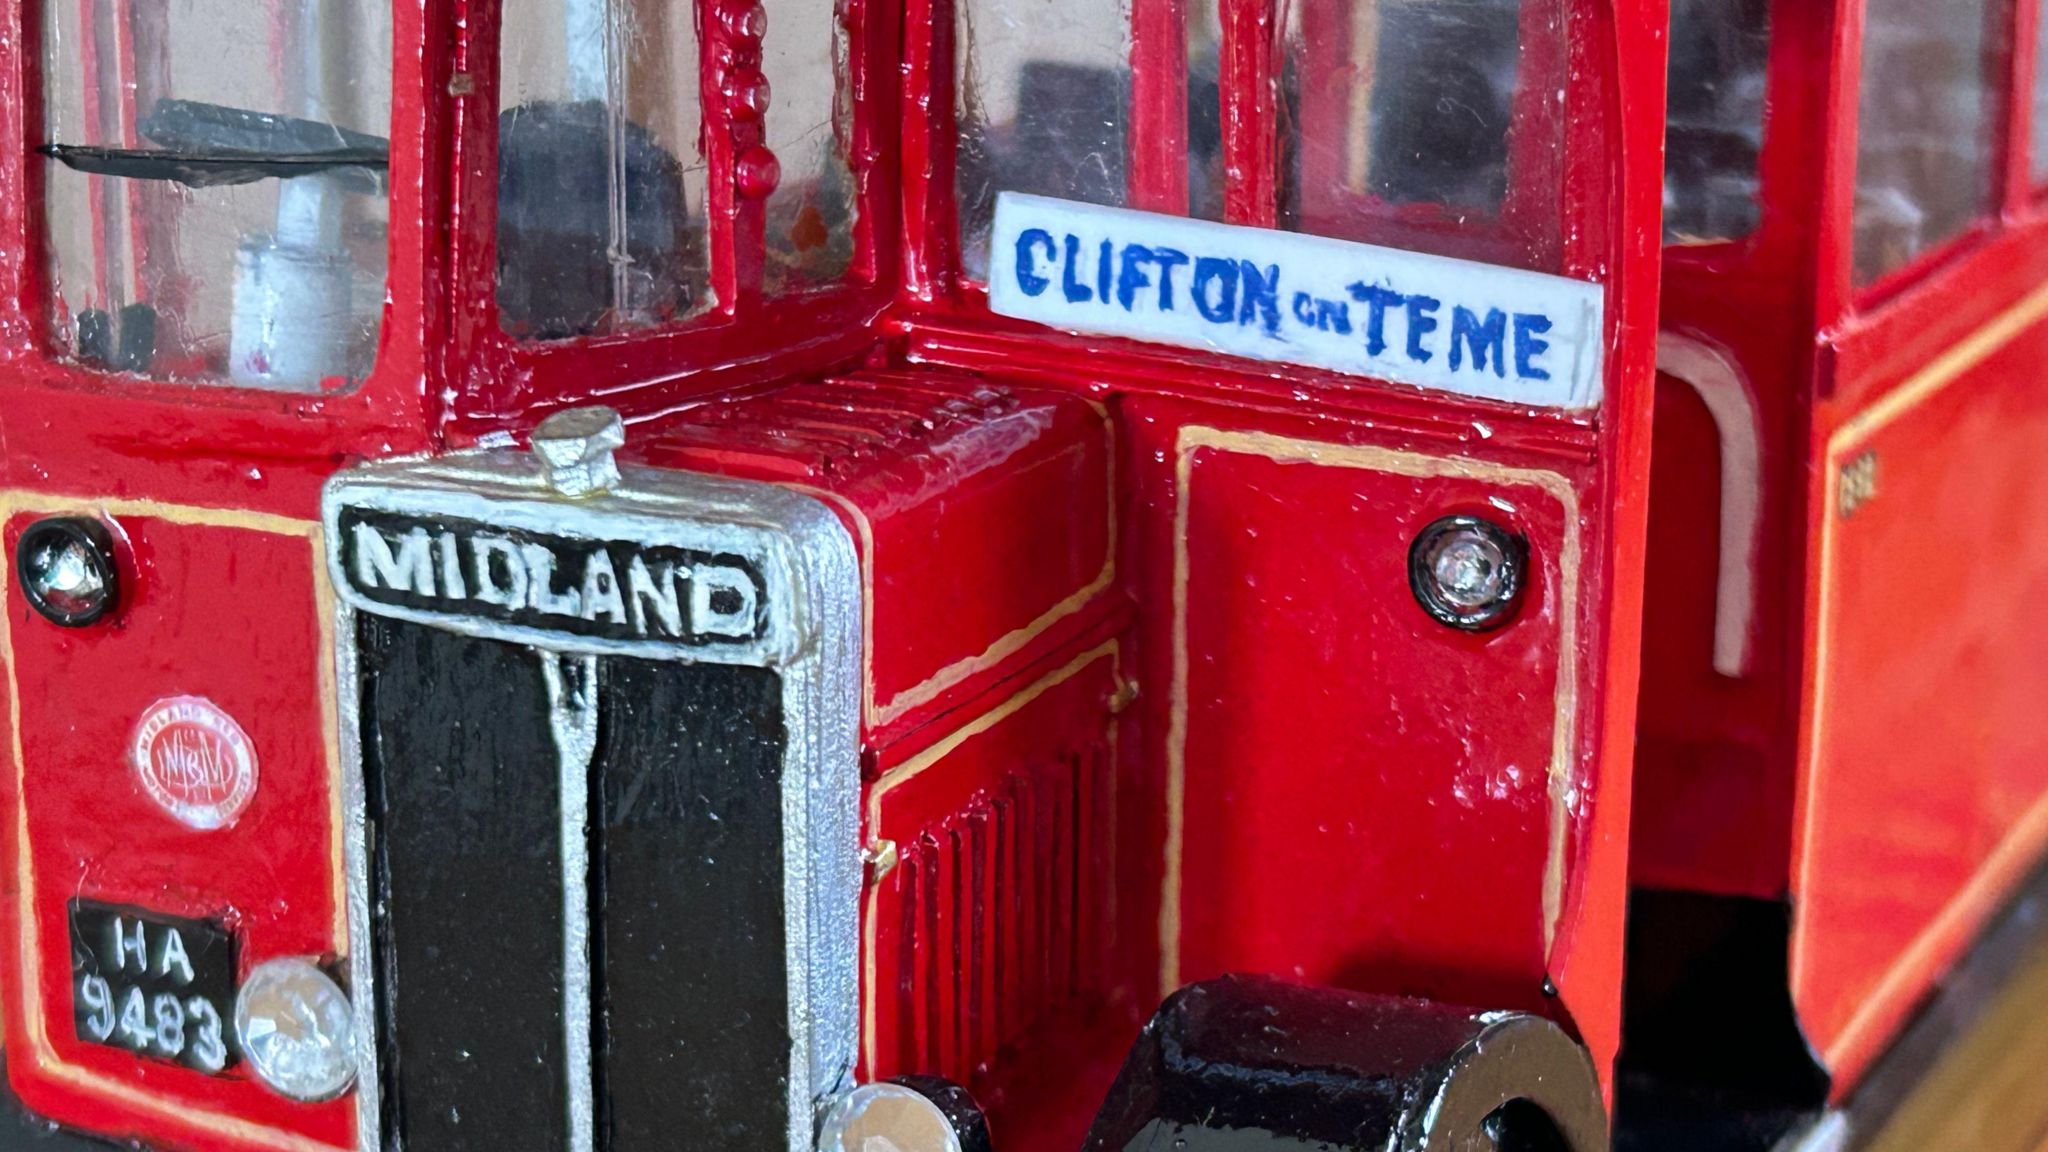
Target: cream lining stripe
[[13, 502], [1287, 450], [916, 766], [1009, 644], [2030, 832]]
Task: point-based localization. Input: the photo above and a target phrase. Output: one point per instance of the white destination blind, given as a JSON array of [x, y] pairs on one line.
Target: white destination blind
[[1458, 325]]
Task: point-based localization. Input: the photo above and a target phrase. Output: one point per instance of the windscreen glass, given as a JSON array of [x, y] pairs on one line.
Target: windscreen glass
[[1044, 90], [215, 187], [1205, 108], [1435, 125], [601, 179], [810, 129]]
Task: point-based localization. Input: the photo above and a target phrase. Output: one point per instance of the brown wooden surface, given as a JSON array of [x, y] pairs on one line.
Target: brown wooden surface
[[1989, 1091]]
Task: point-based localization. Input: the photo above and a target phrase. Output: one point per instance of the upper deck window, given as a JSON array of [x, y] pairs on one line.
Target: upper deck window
[[214, 205], [1715, 125], [603, 183], [1926, 145]]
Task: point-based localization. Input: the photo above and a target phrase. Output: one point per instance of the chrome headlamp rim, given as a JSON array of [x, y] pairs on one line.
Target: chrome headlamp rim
[[1510, 578], [930, 1114], [272, 977], [89, 542]]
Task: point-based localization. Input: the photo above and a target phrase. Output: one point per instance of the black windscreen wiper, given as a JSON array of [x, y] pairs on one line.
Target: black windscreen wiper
[[205, 145]]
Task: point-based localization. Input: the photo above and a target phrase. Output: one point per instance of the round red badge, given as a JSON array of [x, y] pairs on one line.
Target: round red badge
[[194, 761]]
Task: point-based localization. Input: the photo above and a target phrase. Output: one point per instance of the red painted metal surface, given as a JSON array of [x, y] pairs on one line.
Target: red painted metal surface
[[1716, 753], [1926, 796], [983, 515], [247, 637], [1187, 718], [1872, 762], [1378, 743]]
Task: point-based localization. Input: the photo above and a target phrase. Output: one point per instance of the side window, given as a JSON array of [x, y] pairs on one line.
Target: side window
[[603, 186], [1420, 122], [601, 181], [2039, 162], [214, 198], [1715, 124], [1926, 145], [810, 123], [1044, 92]]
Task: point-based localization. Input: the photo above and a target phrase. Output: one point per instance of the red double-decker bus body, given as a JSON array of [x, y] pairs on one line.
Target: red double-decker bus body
[[677, 565]]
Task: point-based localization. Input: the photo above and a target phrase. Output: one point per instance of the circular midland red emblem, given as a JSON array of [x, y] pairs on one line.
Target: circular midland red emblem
[[194, 761]]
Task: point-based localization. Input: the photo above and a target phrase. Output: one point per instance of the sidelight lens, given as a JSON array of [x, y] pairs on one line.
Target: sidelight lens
[[1467, 572], [67, 570], [914, 1114], [297, 1029]]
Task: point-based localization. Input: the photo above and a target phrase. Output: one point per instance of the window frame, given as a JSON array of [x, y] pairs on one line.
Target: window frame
[[744, 336], [386, 407], [1839, 295], [1500, 236], [2023, 188], [1251, 61]]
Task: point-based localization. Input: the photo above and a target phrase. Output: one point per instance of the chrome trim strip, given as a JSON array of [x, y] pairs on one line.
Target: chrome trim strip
[[355, 815], [808, 561], [572, 717]]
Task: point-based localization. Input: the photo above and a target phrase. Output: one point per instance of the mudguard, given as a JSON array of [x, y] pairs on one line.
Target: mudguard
[[1244, 1062]]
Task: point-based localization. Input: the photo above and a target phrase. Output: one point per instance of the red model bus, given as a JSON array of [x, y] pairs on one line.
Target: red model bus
[[608, 575]]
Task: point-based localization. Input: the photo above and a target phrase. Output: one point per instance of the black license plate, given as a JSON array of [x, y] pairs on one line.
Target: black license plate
[[160, 987]]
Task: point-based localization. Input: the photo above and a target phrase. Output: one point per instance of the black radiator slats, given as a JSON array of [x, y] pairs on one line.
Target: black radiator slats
[[695, 1028], [690, 1010], [461, 771]]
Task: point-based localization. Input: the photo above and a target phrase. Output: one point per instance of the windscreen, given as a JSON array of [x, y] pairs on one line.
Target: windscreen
[[1433, 125], [601, 177], [1436, 125], [215, 186], [604, 188]]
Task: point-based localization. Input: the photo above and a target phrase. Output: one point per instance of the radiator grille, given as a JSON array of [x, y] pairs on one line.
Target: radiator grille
[[685, 989], [1004, 913]]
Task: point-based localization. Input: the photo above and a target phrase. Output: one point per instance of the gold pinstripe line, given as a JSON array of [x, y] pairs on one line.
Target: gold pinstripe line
[[917, 766], [45, 1055], [2031, 830], [877, 714], [1288, 450]]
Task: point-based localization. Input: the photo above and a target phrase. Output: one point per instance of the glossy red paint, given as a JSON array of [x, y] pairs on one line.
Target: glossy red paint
[[1001, 940], [922, 466], [217, 492], [1869, 761], [1716, 753], [191, 626], [1161, 593], [1922, 376], [998, 773], [1610, 178], [1380, 742]]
